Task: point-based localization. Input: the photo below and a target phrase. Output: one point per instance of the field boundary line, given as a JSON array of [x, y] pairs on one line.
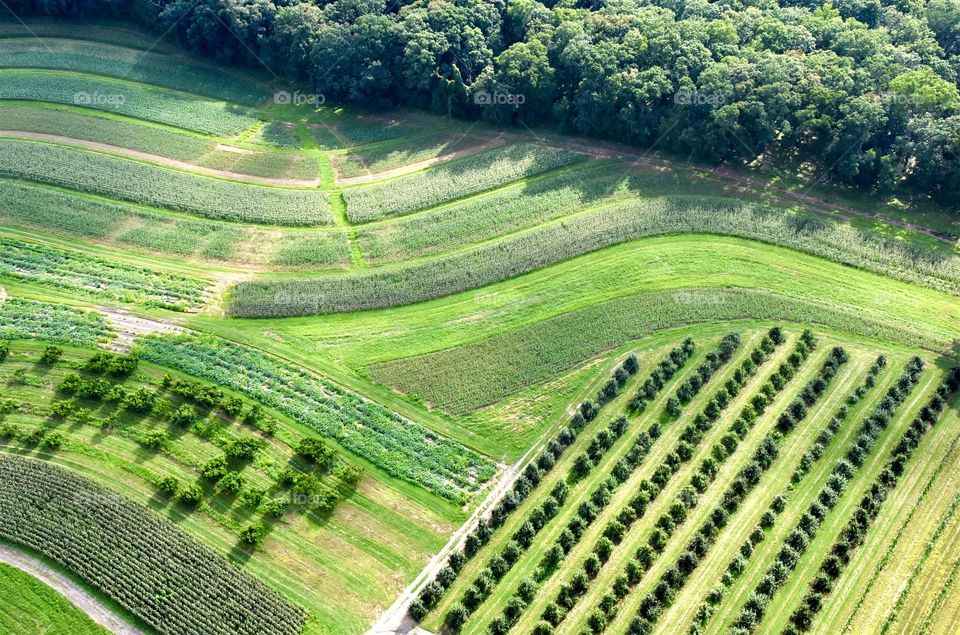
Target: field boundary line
[[72, 591], [153, 158]]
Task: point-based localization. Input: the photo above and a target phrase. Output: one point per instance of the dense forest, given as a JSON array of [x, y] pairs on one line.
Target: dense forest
[[864, 90]]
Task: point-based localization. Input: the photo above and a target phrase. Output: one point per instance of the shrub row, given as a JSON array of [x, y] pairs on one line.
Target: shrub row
[[662, 374], [648, 490], [827, 434], [399, 446], [854, 532], [525, 484], [688, 498], [663, 595], [707, 608], [800, 537], [714, 360]]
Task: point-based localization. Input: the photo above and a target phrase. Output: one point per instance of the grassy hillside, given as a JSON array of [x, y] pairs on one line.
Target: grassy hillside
[[654, 369]]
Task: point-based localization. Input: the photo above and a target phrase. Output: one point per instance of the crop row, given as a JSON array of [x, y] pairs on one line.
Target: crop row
[[751, 614], [749, 476], [574, 236], [130, 64], [489, 369], [458, 178], [77, 271], [397, 445], [157, 186], [116, 132], [525, 484], [592, 507], [535, 201], [714, 359], [127, 98], [854, 532], [29, 319], [43, 207], [707, 608], [691, 437], [138, 559]]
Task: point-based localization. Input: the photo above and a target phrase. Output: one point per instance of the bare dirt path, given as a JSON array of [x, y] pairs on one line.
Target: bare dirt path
[[723, 174], [153, 158], [3, 295], [395, 619], [77, 595], [495, 142], [129, 327]]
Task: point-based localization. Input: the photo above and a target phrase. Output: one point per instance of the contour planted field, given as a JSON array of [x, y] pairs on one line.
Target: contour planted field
[[491, 318]]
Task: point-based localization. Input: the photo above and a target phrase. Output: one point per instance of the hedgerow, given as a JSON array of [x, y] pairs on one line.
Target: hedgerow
[[533, 474], [854, 532], [127, 98], [137, 558], [752, 612], [29, 319], [130, 64], [158, 186], [456, 179], [570, 237], [70, 270], [399, 446], [736, 567], [661, 598]]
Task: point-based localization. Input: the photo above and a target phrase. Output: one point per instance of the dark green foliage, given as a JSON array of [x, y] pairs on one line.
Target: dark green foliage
[[212, 596], [51, 355]]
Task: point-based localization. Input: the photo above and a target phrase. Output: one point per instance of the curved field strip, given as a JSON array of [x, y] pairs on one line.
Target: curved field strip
[[456, 179], [360, 554], [96, 30], [789, 596], [809, 290], [140, 137], [28, 319], [376, 163], [157, 144], [147, 184], [111, 222], [130, 64], [70, 270], [130, 99], [161, 160], [889, 582], [584, 233], [129, 553], [29, 605], [515, 207]]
